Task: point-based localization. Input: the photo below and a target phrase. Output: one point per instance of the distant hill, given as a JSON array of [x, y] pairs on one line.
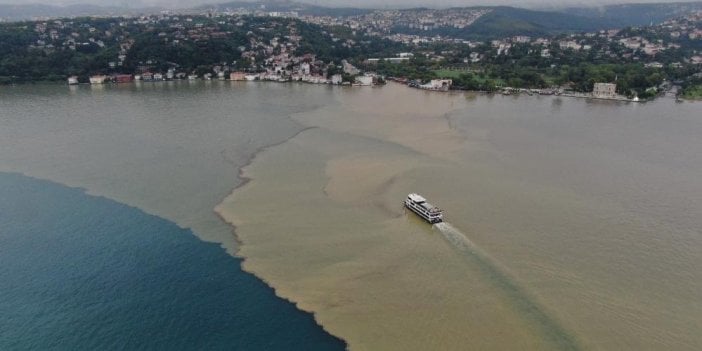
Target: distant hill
[[286, 6], [634, 14], [500, 22], [34, 11], [505, 21]]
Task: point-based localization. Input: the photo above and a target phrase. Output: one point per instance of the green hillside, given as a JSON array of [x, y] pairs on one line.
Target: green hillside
[[504, 21], [634, 14]]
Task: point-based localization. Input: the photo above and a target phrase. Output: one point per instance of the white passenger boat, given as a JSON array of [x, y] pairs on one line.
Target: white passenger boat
[[421, 207]]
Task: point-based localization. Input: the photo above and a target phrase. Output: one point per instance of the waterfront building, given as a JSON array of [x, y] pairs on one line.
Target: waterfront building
[[237, 76], [122, 78], [98, 79], [438, 84], [364, 80], [604, 90]]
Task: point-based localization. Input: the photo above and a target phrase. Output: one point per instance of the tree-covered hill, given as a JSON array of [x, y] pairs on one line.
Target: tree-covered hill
[[505, 21], [625, 15]]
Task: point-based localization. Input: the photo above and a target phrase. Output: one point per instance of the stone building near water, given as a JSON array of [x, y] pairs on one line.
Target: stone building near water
[[604, 90]]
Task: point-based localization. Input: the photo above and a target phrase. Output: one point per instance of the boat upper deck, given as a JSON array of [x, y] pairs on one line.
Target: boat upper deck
[[430, 208], [422, 203], [418, 199]]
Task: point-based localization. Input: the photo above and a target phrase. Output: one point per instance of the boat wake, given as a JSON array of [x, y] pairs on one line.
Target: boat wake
[[518, 296], [455, 237]]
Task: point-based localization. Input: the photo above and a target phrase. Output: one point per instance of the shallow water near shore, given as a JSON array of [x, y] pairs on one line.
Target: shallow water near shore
[[572, 224]]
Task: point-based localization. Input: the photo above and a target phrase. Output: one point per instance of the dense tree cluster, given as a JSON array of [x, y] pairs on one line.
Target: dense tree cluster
[[34, 51]]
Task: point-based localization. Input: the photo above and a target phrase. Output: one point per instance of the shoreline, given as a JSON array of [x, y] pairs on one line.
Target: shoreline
[[499, 92]]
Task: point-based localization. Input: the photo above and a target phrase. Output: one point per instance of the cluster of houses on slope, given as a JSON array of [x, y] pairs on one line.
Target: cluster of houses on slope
[[279, 68], [381, 22]]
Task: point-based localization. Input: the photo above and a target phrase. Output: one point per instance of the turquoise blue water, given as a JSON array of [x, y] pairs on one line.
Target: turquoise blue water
[[79, 272]]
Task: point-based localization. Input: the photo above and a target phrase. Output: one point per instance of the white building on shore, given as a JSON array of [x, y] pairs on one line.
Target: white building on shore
[[336, 79], [364, 80], [99, 79], [604, 90], [438, 84]]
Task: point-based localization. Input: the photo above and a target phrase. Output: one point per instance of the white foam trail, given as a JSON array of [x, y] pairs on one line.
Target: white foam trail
[[455, 237], [460, 241], [504, 281]]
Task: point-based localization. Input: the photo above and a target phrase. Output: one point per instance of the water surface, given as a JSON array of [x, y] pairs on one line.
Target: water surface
[[80, 272], [173, 149], [581, 217]]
